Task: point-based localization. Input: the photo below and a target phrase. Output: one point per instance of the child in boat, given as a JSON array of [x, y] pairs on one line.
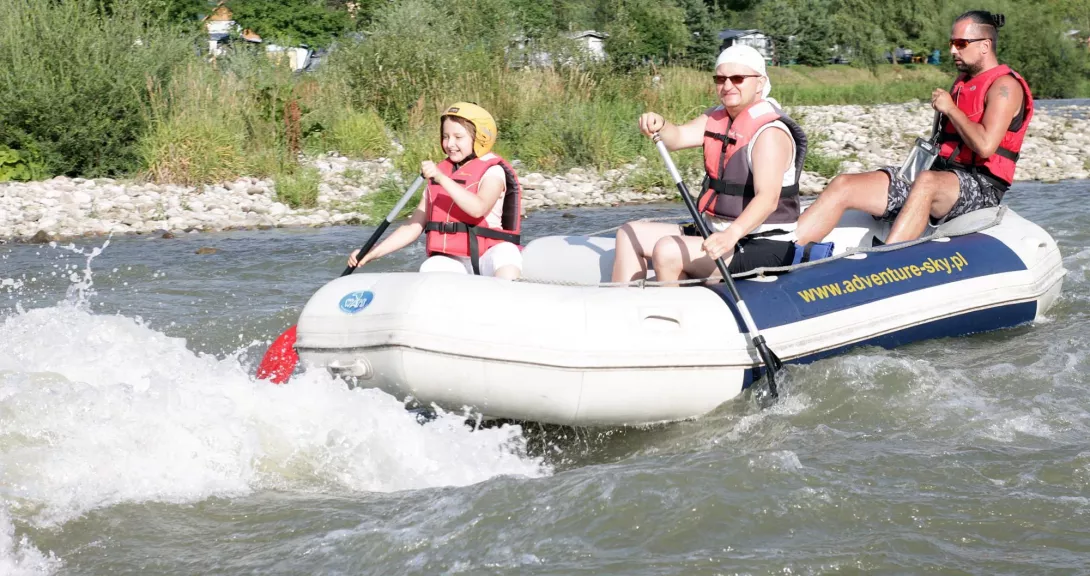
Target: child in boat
[[471, 209], [753, 155]]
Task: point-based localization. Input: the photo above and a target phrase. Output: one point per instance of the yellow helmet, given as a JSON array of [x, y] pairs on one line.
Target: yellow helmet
[[482, 121]]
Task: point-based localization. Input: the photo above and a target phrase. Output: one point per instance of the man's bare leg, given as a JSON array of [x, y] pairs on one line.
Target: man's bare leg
[[933, 194], [635, 242], [868, 192], [682, 257]]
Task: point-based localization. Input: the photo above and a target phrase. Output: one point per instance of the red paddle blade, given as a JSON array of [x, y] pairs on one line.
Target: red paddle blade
[[280, 359]]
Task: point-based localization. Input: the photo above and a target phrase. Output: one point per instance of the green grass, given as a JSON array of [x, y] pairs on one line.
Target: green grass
[[358, 135], [352, 176], [379, 203], [827, 166], [299, 188], [802, 86]]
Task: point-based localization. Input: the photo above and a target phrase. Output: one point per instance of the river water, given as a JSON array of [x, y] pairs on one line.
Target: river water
[[133, 439]]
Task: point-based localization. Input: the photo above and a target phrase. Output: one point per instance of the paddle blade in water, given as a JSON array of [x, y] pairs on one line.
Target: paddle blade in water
[[280, 359]]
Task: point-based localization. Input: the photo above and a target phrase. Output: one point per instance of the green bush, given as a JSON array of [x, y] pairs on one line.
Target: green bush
[[416, 57], [597, 134], [21, 166], [74, 80], [379, 203], [298, 188], [201, 150], [210, 125], [358, 134]]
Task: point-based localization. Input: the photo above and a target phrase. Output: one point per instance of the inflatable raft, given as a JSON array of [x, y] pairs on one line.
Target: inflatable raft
[[561, 348]]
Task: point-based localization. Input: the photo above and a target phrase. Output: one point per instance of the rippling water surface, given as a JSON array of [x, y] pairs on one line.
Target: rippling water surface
[[134, 440]]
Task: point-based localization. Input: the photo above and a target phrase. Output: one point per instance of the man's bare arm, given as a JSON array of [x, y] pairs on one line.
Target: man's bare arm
[[1001, 105]]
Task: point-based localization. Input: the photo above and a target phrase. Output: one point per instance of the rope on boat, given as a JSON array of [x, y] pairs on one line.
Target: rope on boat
[[615, 228], [939, 234]]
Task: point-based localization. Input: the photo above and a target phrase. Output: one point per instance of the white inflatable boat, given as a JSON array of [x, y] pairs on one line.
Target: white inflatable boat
[[559, 348]]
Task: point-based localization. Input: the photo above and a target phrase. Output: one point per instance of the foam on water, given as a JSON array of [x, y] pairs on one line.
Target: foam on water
[[100, 410], [18, 557]]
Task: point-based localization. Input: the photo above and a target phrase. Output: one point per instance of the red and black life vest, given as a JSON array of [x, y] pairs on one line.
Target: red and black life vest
[[969, 95], [452, 232], [728, 183]]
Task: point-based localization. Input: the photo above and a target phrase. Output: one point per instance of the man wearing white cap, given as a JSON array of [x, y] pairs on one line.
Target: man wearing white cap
[[753, 156]]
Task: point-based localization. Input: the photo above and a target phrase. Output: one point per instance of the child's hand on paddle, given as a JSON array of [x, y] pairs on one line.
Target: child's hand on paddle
[[352, 259], [429, 170]]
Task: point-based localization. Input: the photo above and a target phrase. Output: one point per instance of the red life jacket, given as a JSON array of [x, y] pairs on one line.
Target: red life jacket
[[969, 96], [452, 232], [728, 183]]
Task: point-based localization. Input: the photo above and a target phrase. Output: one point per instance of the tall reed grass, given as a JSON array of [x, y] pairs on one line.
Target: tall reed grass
[[89, 93]]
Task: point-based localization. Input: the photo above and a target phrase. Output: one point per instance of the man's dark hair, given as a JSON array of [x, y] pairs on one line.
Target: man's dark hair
[[991, 23]]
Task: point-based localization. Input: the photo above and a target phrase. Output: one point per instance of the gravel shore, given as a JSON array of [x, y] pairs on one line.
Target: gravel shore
[[1057, 147]]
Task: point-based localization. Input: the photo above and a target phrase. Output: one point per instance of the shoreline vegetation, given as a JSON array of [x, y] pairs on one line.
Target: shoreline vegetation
[[109, 100], [844, 138]]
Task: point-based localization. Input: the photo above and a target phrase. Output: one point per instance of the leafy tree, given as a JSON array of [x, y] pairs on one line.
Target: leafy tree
[[363, 12], [856, 31], [1052, 64], [703, 38], [645, 31], [738, 5], [181, 11], [535, 18], [816, 31], [1033, 42], [1074, 13], [779, 19], [483, 23], [291, 22]]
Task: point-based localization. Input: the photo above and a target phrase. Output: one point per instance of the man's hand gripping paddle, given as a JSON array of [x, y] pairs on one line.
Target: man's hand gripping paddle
[[771, 362]]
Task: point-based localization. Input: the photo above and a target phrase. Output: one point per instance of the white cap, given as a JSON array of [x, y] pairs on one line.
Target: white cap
[[749, 57]]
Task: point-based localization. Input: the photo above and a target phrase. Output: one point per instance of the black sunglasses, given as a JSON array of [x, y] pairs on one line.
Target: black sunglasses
[[735, 79], [962, 43]]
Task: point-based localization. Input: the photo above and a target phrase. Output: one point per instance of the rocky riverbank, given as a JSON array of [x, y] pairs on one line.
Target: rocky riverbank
[[861, 138]]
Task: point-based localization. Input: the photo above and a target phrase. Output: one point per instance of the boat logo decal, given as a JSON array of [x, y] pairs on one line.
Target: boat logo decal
[[950, 265], [355, 301]]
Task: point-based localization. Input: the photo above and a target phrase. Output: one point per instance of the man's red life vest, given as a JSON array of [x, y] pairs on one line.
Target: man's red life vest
[[452, 232], [728, 184], [969, 96]]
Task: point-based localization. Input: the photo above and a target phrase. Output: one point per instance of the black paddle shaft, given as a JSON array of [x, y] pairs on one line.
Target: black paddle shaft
[[367, 247], [385, 224]]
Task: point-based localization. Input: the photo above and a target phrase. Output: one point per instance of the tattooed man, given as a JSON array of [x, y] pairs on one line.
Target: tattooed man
[[984, 118]]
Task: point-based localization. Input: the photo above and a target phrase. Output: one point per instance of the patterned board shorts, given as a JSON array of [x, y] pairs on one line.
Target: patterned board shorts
[[975, 192]]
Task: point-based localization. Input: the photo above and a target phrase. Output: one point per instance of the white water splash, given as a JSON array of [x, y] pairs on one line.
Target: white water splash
[[19, 557], [101, 410]]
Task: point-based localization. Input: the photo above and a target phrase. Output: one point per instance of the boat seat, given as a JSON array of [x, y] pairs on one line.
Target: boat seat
[[589, 259]]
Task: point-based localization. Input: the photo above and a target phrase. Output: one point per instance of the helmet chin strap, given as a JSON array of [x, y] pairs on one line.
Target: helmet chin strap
[[458, 165]]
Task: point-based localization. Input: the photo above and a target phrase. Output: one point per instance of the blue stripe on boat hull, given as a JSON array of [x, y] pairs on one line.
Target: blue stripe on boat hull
[[996, 318], [878, 276]]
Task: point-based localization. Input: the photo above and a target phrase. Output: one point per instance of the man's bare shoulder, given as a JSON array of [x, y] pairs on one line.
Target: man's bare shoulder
[[1006, 88]]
